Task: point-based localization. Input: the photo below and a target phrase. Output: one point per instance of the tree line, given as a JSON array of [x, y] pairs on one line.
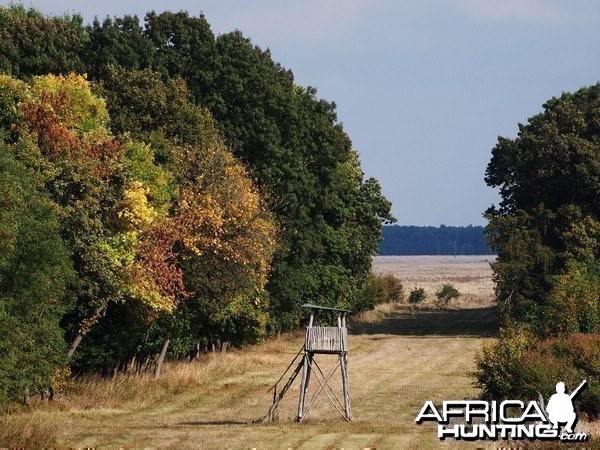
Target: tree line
[[164, 191], [546, 230], [442, 240]]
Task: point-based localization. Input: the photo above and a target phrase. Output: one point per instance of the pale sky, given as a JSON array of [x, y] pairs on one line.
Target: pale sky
[[423, 87]]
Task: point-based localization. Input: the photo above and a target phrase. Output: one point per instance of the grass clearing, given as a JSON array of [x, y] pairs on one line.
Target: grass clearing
[[399, 358]]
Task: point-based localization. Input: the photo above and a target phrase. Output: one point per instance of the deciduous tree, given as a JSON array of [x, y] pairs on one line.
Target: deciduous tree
[[33, 44], [35, 274], [549, 180]]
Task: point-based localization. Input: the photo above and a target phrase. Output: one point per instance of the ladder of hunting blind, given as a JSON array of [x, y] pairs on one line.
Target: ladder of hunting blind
[[328, 340]]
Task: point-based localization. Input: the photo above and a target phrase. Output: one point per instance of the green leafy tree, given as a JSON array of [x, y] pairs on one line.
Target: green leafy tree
[[35, 275], [185, 47], [292, 143], [159, 112], [293, 146], [549, 182], [417, 295], [116, 42], [444, 294], [32, 44], [330, 214]]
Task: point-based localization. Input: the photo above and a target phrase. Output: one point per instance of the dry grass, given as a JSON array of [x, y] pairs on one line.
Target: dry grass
[[376, 315], [30, 429], [399, 358]]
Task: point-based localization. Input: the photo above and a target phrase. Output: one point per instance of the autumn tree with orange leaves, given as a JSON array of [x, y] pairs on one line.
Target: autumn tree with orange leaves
[[134, 225]]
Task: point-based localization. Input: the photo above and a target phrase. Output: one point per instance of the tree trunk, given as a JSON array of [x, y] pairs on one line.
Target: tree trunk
[[86, 325], [195, 352], [161, 358], [131, 364], [143, 365], [75, 344]]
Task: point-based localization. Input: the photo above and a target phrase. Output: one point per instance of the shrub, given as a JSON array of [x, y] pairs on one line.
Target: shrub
[[371, 295], [393, 289], [444, 294], [377, 290], [417, 295], [570, 359], [574, 302], [498, 367], [518, 366]]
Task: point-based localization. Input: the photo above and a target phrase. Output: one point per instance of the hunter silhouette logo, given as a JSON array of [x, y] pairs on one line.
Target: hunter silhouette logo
[[560, 407], [509, 419]]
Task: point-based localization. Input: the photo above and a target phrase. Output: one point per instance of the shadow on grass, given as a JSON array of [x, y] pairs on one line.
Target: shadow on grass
[[473, 322], [219, 422]]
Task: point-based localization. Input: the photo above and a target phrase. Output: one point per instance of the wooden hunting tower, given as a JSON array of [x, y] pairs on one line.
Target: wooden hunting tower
[[328, 340]]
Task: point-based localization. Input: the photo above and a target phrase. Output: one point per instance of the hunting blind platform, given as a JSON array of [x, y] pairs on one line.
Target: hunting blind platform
[[328, 340]]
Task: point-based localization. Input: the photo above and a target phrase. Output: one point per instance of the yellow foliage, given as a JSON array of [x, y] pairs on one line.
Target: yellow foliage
[[222, 213], [146, 291], [137, 282], [135, 211], [61, 379], [120, 249], [85, 109], [219, 211], [13, 92], [62, 124]]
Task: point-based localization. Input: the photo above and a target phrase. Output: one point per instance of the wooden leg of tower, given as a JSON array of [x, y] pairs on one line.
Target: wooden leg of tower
[[304, 386], [344, 370], [277, 398], [308, 372]]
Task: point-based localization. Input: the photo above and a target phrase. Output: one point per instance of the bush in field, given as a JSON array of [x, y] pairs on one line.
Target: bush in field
[[444, 294], [379, 289], [417, 295], [371, 295], [571, 359], [518, 366], [498, 367], [393, 289]]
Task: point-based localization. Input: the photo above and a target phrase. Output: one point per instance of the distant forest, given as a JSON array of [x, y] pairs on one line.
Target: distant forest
[[443, 240]]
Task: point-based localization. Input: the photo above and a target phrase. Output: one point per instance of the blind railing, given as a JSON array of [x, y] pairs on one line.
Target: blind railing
[[327, 339]]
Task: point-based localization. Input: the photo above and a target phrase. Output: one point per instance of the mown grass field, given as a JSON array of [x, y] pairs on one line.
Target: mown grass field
[[399, 358]]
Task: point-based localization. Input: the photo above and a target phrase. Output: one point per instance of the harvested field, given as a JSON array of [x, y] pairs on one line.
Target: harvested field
[[471, 275], [399, 358]]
